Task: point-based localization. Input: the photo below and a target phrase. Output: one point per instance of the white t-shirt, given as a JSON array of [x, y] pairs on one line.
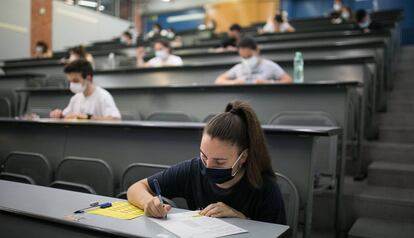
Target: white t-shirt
[[265, 69], [172, 60], [100, 103]]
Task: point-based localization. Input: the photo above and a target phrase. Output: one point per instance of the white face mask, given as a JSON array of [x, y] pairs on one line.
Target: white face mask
[[250, 62], [73, 57], [337, 6], [345, 15], [161, 54], [365, 24], [77, 87], [39, 49]]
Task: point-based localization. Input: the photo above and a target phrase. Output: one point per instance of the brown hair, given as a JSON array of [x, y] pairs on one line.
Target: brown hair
[[79, 50], [240, 126]]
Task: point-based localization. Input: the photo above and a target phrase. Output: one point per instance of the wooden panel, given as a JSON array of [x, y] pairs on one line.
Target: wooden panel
[[41, 23], [243, 12]]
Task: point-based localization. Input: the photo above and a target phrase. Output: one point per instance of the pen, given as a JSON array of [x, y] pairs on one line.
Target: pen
[[158, 192], [94, 204]]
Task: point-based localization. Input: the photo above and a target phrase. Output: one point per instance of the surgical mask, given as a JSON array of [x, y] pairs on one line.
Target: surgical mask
[[220, 176], [123, 41], [161, 54], [345, 15], [77, 87], [250, 62], [337, 6], [365, 24], [39, 49]]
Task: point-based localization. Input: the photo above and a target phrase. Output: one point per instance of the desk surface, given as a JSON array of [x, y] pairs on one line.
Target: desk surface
[[52, 205], [278, 129]]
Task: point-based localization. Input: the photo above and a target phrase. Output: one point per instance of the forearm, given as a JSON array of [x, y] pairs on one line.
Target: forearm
[[139, 194]]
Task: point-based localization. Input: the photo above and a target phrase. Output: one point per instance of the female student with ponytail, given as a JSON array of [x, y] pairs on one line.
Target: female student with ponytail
[[232, 177]]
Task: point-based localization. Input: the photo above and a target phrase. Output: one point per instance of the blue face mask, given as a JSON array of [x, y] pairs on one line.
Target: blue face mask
[[219, 176]]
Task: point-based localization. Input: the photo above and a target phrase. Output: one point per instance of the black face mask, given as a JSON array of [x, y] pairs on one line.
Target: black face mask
[[279, 18], [219, 176]]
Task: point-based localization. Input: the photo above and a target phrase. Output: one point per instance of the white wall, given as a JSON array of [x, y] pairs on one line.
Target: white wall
[[73, 25], [14, 29]]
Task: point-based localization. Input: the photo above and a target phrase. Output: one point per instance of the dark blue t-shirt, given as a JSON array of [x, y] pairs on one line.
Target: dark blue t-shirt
[[187, 181]]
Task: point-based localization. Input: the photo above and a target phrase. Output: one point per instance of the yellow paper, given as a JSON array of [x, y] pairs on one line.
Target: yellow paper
[[119, 210]]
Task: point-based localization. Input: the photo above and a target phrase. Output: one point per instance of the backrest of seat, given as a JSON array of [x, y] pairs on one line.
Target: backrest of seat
[[34, 165], [291, 200], [325, 149], [303, 118], [209, 117], [95, 173], [5, 107], [12, 97], [130, 116], [170, 116], [42, 112], [138, 171]]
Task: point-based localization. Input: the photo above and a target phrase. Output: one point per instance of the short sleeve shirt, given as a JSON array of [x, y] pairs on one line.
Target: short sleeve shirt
[[265, 69], [187, 180], [100, 103]]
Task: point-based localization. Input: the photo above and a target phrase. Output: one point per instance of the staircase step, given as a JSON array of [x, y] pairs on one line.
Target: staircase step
[[403, 82], [399, 175], [397, 119], [388, 152], [401, 95], [400, 106], [378, 228], [396, 134], [396, 204], [363, 200]]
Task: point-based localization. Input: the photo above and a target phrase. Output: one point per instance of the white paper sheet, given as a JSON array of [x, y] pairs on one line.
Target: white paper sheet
[[191, 225]]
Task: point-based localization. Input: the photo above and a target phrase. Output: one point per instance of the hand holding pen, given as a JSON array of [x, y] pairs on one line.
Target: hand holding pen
[[156, 207]]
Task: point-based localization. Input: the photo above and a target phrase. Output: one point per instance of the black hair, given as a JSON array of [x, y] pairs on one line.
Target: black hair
[[235, 27], [360, 15], [163, 42], [79, 50], [127, 34], [279, 18], [239, 126], [79, 66], [248, 42]]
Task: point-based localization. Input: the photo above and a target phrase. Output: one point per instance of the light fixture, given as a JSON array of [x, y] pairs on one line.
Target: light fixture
[[88, 3]]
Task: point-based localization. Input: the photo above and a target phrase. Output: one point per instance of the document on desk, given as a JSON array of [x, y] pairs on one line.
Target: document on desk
[[192, 225], [119, 210]]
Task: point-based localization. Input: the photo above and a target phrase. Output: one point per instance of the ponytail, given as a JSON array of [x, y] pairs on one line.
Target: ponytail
[[240, 126]]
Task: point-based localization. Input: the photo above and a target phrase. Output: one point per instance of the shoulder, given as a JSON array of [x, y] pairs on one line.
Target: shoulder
[[102, 92], [175, 59], [270, 187], [76, 97], [153, 61]]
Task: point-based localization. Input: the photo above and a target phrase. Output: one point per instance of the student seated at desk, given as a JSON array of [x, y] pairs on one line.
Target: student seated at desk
[[234, 36], [365, 23], [163, 56], [278, 23], [233, 177], [126, 38], [89, 101], [42, 50], [253, 69], [79, 52]]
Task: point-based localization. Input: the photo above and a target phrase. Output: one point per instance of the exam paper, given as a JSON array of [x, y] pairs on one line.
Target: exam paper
[[119, 210], [192, 225]]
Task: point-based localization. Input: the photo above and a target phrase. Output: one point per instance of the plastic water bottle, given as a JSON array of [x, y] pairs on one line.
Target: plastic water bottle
[[111, 61], [298, 68]]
